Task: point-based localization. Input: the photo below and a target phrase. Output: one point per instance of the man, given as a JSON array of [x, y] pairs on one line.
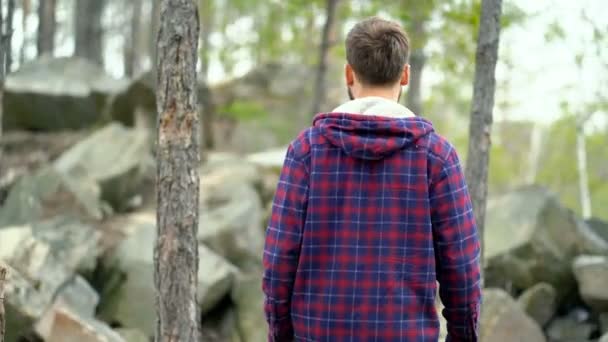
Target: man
[[371, 209]]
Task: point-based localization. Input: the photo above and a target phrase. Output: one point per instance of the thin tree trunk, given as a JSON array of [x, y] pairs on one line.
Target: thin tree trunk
[[414, 93], [536, 141], [583, 181], [320, 83], [208, 110], [2, 318], [89, 30], [9, 32], [478, 156], [46, 27], [176, 250], [131, 51], [154, 21], [25, 8]]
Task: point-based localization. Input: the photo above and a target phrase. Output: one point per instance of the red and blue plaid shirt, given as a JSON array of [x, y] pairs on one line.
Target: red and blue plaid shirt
[[370, 212]]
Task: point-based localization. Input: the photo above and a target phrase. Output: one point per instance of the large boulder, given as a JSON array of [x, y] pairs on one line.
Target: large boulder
[[115, 158], [42, 259], [503, 320], [569, 329], [592, 276], [47, 193], [248, 299], [130, 267], [231, 221], [539, 302], [72, 327], [599, 227], [604, 338], [138, 96], [532, 238], [51, 94]]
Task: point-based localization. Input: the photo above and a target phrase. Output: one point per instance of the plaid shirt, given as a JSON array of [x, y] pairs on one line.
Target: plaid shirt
[[370, 212]]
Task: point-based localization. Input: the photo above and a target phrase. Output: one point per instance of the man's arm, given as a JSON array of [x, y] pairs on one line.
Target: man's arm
[[457, 250], [282, 250]]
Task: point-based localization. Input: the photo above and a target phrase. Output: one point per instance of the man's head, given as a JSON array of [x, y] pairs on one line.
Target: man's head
[[377, 53]]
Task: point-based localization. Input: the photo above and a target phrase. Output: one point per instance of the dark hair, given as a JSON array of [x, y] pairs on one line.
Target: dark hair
[[377, 50]]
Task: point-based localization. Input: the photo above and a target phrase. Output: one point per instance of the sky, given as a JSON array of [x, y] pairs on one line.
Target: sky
[[544, 73]]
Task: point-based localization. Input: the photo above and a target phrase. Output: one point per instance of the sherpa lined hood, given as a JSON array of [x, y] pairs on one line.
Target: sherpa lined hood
[[372, 128]]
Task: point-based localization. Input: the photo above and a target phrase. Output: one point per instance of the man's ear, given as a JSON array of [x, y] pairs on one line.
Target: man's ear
[[405, 77], [350, 75]]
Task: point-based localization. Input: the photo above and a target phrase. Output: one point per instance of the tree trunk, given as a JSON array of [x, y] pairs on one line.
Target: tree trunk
[[25, 12], [176, 250], [208, 110], [320, 84], [414, 93], [536, 142], [89, 30], [46, 27], [2, 318], [480, 127], [6, 34], [9, 34], [131, 49], [583, 181], [154, 21]]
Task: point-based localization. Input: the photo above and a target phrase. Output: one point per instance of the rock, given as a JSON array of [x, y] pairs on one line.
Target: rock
[[138, 95], [591, 273], [502, 319], [47, 193], [132, 335], [230, 222], [42, 259], [531, 238], [71, 327], [248, 299], [604, 322], [568, 329], [51, 94], [115, 158], [77, 296], [604, 338], [539, 302], [131, 302], [272, 159], [599, 227]]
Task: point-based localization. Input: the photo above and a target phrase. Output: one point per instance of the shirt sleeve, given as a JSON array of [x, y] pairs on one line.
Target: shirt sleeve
[[457, 251], [282, 246]]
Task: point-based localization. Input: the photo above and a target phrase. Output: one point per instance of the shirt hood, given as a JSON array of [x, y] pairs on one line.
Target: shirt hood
[[372, 135]]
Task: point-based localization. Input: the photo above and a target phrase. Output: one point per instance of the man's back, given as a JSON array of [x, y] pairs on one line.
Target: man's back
[[370, 210]]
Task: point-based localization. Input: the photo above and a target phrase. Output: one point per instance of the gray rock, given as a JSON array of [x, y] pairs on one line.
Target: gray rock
[[604, 338], [599, 227], [138, 95], [604, 322], [72, 327], [76, 296], [539, 302], [115, 158], [248, 299], [132, 335], [131, 303], [568, 329], [591, 273], [231, 220], [47, 193], [42, 260], [502, 319], [531, 238], [52, 94]]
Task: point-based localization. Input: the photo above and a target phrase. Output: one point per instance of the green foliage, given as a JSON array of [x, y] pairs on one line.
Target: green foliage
[[243, 111]]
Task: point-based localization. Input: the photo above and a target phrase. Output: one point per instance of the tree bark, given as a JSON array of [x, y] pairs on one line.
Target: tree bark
[[46, 27], [131, 51], [2, 318], [89, 30], [176, 250], [6, 34], [480, 127], [9, 33], [320, 83], [25, 8]]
